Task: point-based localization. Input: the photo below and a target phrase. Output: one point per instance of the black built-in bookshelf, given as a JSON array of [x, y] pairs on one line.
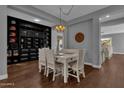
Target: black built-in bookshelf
[[25, 38]]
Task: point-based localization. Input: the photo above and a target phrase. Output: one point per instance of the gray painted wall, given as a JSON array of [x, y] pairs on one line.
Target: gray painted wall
[[3, 42], [86, 28], [117, 42]]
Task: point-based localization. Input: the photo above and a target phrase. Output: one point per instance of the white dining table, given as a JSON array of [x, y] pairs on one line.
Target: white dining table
[[65, 59]]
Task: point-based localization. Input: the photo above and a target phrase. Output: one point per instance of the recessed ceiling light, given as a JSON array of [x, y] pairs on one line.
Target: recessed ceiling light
[[100, 18], [37, 20], [107, 16]]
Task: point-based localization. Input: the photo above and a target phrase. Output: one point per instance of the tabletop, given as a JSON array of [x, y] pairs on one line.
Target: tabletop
[[66, 57]]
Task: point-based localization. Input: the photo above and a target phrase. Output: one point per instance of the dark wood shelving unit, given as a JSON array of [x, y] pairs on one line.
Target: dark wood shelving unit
[[25, 38]]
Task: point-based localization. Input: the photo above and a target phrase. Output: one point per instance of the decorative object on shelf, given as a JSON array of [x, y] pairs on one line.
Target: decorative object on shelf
[[12, 28], [12, 34], [79, 37], [60, 27], [13, 22], [12, 40]]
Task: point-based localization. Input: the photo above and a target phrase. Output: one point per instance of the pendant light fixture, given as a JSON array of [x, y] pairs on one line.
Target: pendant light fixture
[[60, 27]]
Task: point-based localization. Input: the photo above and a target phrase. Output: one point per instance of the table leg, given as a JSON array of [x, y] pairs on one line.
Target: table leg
[[65, 72]]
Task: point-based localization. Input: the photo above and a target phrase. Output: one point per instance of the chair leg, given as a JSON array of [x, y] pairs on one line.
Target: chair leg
[[78, 77], [40, 67], [62, 72], [54, 75], [47, 72], [83, 74]]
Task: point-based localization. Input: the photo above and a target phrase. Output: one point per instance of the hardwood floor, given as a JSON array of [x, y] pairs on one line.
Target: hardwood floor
[[26, 75]]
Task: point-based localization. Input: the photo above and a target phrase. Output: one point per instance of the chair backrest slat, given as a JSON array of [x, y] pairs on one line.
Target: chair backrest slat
[[81, 58], [42, 54], [50, 58]]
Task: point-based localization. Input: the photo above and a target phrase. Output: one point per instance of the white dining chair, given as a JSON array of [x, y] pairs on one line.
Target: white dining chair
[[78, 65], [52, 64], [42, 59]]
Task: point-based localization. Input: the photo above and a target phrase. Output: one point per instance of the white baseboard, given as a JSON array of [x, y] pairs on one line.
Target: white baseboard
[[118, 53], [5, 76], [87, 63], [94, 66]]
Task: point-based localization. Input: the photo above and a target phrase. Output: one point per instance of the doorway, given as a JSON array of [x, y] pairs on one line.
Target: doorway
[[111, 35]]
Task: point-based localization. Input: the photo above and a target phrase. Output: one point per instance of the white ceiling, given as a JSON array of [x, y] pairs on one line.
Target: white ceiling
[[112, 17], [77, 11]]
